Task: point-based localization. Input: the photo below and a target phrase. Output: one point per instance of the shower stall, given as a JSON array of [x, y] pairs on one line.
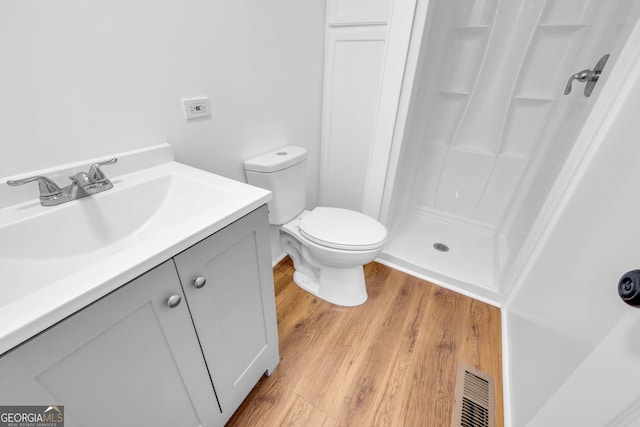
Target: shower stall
[[484, 129]]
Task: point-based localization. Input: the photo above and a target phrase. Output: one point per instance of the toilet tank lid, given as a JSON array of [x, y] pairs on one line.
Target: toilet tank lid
[[276, 160]]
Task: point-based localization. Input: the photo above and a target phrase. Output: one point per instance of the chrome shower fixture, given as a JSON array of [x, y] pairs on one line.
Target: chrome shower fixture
[[589, 76]]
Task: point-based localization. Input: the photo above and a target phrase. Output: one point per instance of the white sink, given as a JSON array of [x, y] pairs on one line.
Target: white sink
[[98, 222], [56, 260]]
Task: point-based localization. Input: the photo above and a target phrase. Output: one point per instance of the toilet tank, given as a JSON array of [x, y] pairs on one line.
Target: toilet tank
[[282, 172]]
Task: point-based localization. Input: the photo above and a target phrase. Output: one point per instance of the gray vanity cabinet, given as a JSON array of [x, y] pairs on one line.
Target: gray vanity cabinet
[[140, 357], [127, 359], [228, 281]]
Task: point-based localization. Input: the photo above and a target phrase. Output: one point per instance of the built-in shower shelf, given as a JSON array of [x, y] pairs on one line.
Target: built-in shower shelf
[[534, 98], [550, 26], [508, 155], [453, 92], [438, 142], [471, 28], [472, 147]]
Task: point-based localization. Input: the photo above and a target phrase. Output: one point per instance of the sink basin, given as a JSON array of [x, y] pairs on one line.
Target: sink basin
[[56, 260], [102, 221], [50, 243]]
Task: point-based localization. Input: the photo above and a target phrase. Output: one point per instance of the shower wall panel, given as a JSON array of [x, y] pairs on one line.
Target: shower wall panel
[[548, 123], [493, 75], [488, 128], [460, 86]]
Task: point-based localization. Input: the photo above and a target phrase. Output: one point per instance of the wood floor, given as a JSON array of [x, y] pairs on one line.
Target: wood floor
[[391, 362]]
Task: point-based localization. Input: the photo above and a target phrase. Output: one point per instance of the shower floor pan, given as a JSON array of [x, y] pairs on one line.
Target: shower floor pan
[[456, 256]]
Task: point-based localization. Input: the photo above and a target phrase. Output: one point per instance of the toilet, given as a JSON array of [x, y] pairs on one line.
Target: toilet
[[328, 246]]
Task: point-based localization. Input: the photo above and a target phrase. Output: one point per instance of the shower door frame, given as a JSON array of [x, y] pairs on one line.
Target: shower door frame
[[406, 21]]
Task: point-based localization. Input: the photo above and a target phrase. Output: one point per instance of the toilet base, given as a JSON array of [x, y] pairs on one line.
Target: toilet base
[[340, 286]]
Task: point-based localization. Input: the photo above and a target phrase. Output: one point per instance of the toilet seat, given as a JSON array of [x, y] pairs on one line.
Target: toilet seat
[[345, 229]]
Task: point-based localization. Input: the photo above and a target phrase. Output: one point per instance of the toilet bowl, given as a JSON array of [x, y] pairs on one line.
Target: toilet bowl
[[328, 246]]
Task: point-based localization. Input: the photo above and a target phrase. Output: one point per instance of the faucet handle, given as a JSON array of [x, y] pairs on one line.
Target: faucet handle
[[82, 179], [48, 188], [96, 174], [581, 76], [588, 76]]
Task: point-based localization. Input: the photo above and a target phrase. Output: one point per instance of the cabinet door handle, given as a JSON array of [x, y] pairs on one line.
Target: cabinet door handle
[[199, 282], [174, 301]]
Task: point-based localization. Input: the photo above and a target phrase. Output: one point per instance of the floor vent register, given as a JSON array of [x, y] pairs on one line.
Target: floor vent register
[[474, 399]]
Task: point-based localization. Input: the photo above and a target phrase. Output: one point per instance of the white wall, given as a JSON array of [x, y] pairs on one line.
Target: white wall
[[84, 79]]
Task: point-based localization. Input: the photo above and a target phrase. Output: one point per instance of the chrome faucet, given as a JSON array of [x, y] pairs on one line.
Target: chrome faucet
[[82, 185]]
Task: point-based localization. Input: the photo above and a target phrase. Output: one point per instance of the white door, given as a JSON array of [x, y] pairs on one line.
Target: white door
[[573, 346]]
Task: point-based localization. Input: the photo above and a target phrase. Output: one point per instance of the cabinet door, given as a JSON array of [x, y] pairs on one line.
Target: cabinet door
[[234, 312], [128, 359]]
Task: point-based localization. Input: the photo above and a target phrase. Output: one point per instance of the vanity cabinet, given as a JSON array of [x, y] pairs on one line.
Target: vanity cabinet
[[128, 355], [159, 350], [228, 283]]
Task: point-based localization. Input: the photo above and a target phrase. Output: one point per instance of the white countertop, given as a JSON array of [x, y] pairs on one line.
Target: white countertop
[[168, 208]]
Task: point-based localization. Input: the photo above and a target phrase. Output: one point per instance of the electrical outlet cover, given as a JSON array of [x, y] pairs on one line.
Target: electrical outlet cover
[[196, 107]]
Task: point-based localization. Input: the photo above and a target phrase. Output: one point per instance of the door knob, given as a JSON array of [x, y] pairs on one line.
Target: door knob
[[173, 301], [199, 282], [629, 288]]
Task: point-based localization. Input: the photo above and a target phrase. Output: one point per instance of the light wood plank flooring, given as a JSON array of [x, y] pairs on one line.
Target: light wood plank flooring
[[391, 362]]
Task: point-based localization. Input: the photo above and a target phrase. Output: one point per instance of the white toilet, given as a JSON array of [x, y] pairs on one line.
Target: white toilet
[[328, 246]]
